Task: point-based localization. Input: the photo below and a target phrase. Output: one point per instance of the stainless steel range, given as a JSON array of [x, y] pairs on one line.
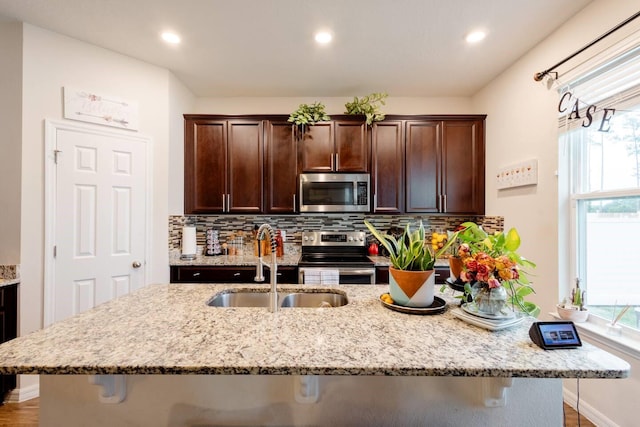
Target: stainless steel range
[[327, 254]]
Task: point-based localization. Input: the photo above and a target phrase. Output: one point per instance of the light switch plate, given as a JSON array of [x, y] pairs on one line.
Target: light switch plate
[[518, 175]]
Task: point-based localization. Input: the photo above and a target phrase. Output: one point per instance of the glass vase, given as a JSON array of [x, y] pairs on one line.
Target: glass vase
[[489, 300]]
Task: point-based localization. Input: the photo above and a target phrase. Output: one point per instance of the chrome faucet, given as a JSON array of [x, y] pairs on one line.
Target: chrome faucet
[[273, 294]]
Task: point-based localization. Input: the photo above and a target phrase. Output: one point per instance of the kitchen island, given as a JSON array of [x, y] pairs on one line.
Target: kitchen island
[[360, 363]]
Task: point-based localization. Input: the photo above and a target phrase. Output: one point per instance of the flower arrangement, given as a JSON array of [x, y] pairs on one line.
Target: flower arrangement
[[491, 261]]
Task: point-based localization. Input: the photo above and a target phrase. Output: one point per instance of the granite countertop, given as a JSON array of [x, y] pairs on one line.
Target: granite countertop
[[7, 282], [169, 329]]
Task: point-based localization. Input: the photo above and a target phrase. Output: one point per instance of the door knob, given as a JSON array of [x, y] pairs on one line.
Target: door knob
[[136, 264]]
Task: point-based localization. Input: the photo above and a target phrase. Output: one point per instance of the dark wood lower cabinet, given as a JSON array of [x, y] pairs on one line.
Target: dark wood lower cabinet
[[382, 275], [8, 330], [229, 274]]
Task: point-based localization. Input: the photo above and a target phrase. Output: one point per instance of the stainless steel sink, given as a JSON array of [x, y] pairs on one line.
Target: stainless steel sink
[[314, 299], [253, 298], [240, 299]]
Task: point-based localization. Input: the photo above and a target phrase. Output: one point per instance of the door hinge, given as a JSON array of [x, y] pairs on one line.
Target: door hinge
[[55, 156], [55, 251]]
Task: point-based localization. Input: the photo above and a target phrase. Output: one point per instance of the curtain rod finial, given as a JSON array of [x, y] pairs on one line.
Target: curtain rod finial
[[539, 76]]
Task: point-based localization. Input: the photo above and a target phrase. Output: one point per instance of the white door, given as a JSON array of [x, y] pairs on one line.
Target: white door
[[99, 218]]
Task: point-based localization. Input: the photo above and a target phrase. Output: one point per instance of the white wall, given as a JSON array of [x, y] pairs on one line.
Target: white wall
[[181, 102], [52, 61], [334, 105], [10, 137], [522, 124]]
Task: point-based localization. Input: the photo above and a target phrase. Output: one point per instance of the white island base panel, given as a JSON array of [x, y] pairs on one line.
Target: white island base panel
[[252, 400]]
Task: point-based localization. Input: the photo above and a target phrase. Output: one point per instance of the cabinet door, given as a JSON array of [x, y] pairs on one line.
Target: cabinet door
[[245, 166], [205, 170], [423, 144], [282, 163], [387, 167], [463, 167], [8, 330], [382, 275], [317, 153], [351, 147]]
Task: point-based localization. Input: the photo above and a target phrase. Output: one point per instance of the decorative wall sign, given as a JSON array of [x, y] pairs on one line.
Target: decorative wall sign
[[525, 173], [100, 109], [569, 102]]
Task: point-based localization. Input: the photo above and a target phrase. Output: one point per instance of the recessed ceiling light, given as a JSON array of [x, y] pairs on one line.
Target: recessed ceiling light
[[171, 37], [323, 37], [475, 36]]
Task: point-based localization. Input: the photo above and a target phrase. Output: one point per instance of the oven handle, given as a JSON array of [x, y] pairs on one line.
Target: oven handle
[[371, 272]]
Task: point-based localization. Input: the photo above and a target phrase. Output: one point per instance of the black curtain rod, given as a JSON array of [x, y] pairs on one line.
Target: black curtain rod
[[539, 76]]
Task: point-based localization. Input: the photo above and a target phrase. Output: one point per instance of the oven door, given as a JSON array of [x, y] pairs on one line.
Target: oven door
[[337, 275]]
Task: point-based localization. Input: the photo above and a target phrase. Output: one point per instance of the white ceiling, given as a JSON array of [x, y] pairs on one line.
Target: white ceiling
[[266, 47]]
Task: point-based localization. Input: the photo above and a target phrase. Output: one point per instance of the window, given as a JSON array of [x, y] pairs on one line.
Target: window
[[600, 129]]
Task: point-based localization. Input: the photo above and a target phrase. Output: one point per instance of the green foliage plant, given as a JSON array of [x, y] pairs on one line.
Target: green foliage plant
[[368, 105], [307, 115], [410, 251]]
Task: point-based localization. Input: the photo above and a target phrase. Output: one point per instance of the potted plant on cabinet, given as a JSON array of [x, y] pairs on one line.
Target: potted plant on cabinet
[[411, 275], [368, 105], [308, 115]]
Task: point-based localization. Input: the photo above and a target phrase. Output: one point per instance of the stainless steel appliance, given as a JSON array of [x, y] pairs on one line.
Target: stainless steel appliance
[[343, 251], [335, 192]]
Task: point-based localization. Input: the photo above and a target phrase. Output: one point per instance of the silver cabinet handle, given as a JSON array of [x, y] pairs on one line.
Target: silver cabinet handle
[[331, 161], [236, 274], [375, 202], [337, 161], [224, 204], [136, 264], [196, 274], [294, 202], [444, 197], [228, 202]]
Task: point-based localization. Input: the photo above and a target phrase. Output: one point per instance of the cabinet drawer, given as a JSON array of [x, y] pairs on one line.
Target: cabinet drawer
[[287, 275], [229, 274], [212, 274]]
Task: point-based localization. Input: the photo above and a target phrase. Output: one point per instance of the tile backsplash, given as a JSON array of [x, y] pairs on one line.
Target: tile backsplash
[[295, 224]]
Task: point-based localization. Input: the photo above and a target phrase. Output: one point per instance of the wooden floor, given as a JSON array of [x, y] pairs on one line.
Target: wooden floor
[[26, 414]]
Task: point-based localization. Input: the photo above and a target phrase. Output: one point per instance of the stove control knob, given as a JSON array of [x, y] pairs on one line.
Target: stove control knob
[[351, 239]]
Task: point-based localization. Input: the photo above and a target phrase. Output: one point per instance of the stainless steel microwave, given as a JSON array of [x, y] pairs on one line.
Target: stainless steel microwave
[[335, 192]]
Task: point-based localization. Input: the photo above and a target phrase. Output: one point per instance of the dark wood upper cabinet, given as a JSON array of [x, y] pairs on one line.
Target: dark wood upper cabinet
[[223, 165], [246, 163], [464, 167], [445, 166], [205, 166], [351, 146], [336, 146], [282, 163], [316, 147], [387, 166], [418, 164], [423, 166]]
